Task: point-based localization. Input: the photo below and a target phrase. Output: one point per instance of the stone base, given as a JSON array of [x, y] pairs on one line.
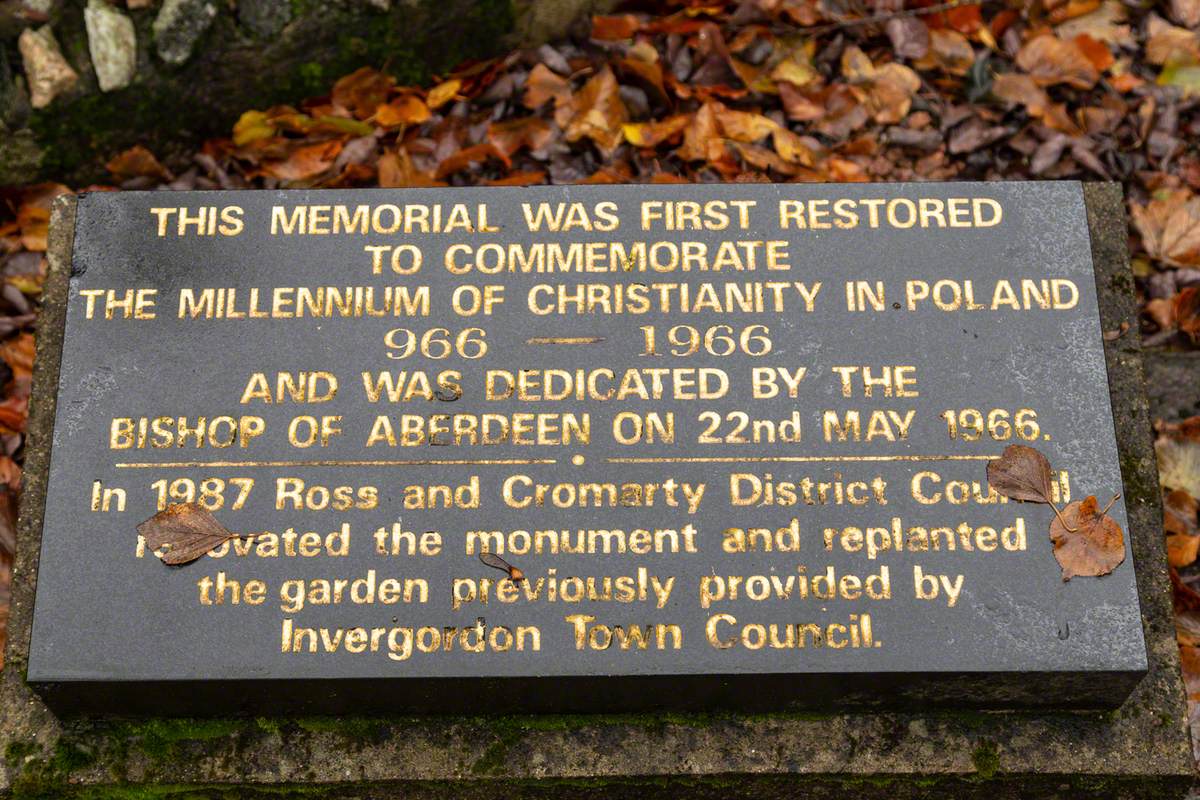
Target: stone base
[[1140, 750]]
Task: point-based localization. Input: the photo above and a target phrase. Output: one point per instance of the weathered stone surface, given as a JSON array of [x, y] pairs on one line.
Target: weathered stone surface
[[1140, 750], [264, 17], [179, 25], [112, 42], [48, 73]]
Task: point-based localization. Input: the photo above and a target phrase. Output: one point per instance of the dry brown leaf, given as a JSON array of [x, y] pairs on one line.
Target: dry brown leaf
[[598, 113], [496, 562], [744, 126], [137, 162], [362, 91], [1050, 61], [396, 171], [186, 531], [791, 147], [614, 28], [1179, 524], [1167, 43], [33, 215], [1095, 547], [654, 133], [1182, 549], [1170, 227], [1178, 463], [512, 135], [1014, 87], [406, 109], [304, 162], [1095, 51], [443, 93], [18, 352], [701, 136], [544, 84], [1021, 473], [1105, 24], [1186, 12], [949, 51], [1187, 312], [889, 89]]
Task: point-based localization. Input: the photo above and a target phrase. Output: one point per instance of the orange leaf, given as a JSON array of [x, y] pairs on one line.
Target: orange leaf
[[443, 93], [404, 110], [544, 84], [651, 134], [304, 162], [520, 179], [598, 113], [614, 28], [1095, 547], [511, 135], [467, 157], [137, 162], [396, 171], [362, 91], [1096, 52], [744, 126], [1050, 60], [17, 352]]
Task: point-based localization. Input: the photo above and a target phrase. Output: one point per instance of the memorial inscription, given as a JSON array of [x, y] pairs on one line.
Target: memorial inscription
[[580, 448]]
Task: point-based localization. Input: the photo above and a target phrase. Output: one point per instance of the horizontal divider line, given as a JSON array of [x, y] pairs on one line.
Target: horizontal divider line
[[413, 462], [431, 462]]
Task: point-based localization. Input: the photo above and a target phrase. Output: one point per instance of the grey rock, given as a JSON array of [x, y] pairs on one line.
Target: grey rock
[[179, 25], [112, 42], [264, 17], [48, 73]]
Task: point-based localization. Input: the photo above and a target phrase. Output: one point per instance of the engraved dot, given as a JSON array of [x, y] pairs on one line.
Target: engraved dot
[[577, 459]]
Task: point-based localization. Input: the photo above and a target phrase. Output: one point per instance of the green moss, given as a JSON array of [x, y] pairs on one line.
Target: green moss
[[351, 727], [160, 738], [986, 760], [45, 779]]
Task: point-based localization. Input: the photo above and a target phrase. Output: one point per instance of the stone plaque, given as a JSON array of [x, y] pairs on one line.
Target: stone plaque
[[732, 441]]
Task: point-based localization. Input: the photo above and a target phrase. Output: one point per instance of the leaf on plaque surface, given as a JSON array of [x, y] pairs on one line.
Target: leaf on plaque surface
[[496, 562], [1095, 547], [186, 531], [1021, 473]]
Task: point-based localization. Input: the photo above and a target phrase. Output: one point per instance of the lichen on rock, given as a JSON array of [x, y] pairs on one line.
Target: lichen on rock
[[179, 25], [112, 42]]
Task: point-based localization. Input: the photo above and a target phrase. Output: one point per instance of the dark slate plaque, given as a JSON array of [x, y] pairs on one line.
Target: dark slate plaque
[[734, 437]]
